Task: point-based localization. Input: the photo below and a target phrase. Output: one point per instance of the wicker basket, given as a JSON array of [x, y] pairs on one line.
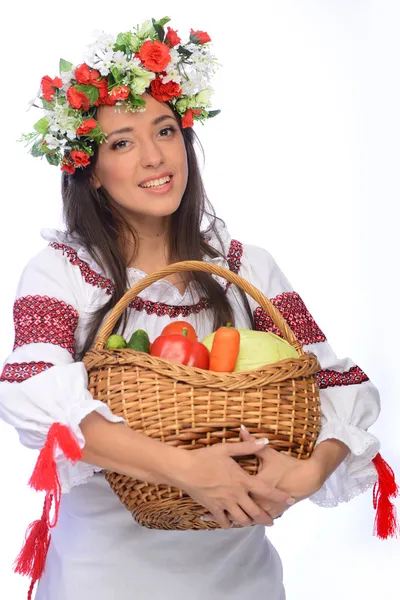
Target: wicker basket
[[192, 408]]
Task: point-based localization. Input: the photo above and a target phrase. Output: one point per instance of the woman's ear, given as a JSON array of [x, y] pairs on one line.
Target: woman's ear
[[96, 181]]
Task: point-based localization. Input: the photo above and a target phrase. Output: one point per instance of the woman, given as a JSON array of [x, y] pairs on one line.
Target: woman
[[133, 203]]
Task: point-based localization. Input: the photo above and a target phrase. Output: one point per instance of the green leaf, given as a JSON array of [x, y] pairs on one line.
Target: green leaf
[[53, 159], [36, 149], [159, 30], [42, 126], [136, 101], [213, 113], [163, 21], [65, 65], [116, 73], [47, 105], [123, 43], [90, 92]]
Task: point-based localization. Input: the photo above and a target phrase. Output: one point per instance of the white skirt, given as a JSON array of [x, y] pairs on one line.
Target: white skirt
[[98, 552]]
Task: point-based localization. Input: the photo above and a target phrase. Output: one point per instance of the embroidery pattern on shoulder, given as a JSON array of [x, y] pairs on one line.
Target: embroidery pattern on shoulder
[[298, 317], [40, 319], [329, 378], [18, 372], [88, 274]]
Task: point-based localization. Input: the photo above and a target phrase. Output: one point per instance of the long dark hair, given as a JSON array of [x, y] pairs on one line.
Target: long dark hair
[[92, 217]]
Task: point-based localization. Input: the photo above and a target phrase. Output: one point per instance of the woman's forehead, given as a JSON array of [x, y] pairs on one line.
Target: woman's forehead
[[109, 118]]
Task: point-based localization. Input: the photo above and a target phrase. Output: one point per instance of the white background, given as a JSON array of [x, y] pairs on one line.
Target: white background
[[304, 161]]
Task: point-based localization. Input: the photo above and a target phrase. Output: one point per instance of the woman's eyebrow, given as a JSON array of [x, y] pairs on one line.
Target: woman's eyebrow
[[156, 121]]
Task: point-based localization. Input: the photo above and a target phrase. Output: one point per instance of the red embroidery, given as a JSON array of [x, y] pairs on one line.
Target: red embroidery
[[160, 309], [88, 274], [328, 378], [296, 314], [234, 257], [17, 372], [42, 319]]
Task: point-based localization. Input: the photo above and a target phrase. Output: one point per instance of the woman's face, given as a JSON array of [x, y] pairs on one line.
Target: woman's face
[[143, 164]]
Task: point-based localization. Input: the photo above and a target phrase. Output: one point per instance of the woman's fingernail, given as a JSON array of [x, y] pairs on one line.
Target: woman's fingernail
[[244, 428], [290, 501], [263, 441]]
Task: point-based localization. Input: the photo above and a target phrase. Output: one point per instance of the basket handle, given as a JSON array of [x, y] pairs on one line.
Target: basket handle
[[195, 265]]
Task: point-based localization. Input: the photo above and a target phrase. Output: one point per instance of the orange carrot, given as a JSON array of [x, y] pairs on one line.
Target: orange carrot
[[225, 349]]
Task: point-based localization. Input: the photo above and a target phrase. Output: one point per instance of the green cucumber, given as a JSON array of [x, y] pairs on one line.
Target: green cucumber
[[140, 341]]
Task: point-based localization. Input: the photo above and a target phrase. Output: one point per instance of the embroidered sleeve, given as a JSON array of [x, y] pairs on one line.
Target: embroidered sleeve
[[41, 384], [350, 403]]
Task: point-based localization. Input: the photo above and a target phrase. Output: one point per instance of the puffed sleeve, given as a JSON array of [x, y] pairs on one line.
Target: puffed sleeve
[[43, 391], [350, 402]]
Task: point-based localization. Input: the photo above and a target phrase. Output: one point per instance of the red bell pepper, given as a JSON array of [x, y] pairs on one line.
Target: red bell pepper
[[177, 348]]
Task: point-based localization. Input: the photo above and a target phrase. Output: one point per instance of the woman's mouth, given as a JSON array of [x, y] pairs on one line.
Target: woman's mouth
[[160, 184]]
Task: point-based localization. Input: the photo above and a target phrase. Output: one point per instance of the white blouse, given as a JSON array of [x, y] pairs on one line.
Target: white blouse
[[97, 550]]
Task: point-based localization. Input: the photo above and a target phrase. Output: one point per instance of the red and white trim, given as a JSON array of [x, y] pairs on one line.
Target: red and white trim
[[297, 316], [329, 378], [40, 319], [18, 372]]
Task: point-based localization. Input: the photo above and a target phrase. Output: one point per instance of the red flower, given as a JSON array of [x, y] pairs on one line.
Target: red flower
[[86, 127], [49, 87], [121, 92], [172, 39], [103, 98], [77, 99], [154, 55], [68, 167], [187, 119], [85, 75], [164, 91], [202, 36], [81, 159]]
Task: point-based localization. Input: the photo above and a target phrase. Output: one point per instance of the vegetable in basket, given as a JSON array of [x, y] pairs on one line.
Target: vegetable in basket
[[178, 326], [257, 348], [224, 349], [140, 341], [177, 348], [116, 342]]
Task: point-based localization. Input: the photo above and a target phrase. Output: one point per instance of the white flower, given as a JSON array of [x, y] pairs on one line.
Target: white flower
[[104, 62], [52, 142], [71, 135], [120, 60], [203, 98], [66, 78], [172, 75]]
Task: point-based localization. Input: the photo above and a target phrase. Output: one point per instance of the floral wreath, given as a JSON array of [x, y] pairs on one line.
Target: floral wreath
[[116, 72]]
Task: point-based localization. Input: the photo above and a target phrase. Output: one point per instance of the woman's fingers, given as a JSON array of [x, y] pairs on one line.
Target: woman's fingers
[[257, 515]]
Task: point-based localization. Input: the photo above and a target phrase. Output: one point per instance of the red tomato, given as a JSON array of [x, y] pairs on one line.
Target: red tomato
[[177, 327]]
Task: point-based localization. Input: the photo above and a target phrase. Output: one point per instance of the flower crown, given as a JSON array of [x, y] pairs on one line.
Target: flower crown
[[116, 72]]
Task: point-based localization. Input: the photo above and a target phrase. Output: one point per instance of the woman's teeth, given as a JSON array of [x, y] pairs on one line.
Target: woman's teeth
[[156, 182]]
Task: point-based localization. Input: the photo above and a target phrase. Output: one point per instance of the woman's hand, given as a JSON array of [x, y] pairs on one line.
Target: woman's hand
[[298, 478], [213, 478]]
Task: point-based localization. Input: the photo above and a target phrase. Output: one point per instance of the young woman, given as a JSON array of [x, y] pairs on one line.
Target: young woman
[[120, 125]]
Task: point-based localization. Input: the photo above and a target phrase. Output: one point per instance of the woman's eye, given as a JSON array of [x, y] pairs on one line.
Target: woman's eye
[[120, 144], [167, 131]]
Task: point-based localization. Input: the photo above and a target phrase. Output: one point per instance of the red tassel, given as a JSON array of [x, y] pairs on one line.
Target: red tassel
[[44, 476], [385, 489], [32, 558]]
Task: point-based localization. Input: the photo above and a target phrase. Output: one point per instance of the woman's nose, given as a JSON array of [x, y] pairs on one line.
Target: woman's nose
[[150, 154]]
